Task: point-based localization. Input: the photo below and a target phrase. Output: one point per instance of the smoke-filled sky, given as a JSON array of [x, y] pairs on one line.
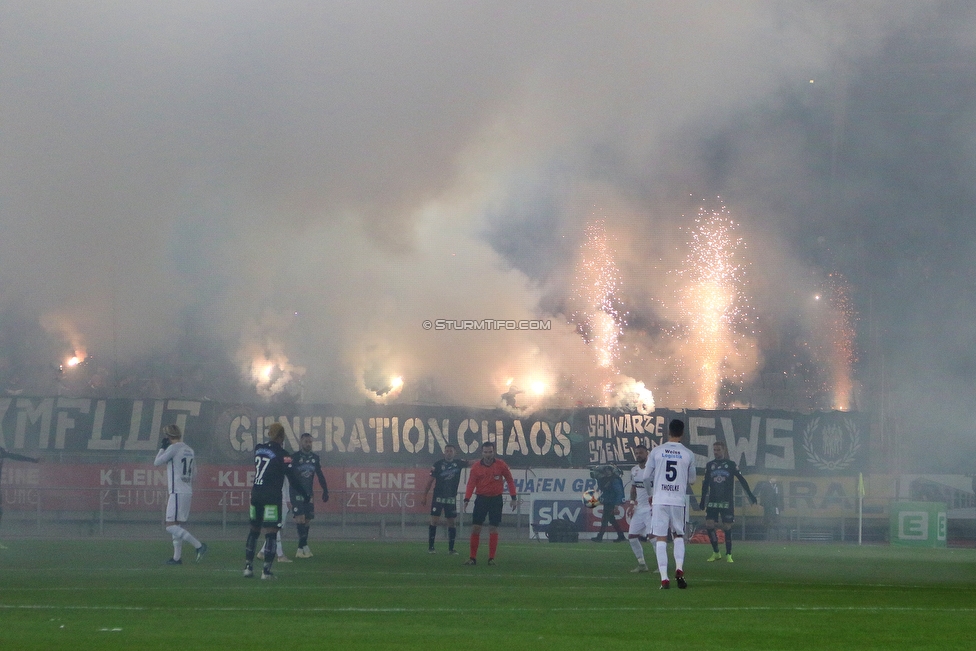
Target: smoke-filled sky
[[208, 189]]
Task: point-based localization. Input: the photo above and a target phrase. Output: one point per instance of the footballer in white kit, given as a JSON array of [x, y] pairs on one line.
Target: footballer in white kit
[[640, 519], [178, 458], [671, 469]]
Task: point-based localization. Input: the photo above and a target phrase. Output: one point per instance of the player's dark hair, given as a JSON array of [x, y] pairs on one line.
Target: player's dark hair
[[639, 446], [676, 428], [450, 445], [721, 444], [488, 444], [306, 434]]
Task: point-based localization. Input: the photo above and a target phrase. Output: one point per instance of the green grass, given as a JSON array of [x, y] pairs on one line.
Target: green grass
[[370, 595]]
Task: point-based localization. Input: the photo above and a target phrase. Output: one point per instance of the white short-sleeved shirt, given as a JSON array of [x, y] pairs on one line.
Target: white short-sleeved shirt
[[178, 458], [671, 470], [637, 479]]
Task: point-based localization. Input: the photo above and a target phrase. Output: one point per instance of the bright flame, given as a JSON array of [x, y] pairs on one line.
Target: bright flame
[[390, 389], [538, 387], [262, 359], [74, 361]]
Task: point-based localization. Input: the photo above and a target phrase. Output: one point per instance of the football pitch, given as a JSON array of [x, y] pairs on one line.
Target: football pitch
[[107, 595]]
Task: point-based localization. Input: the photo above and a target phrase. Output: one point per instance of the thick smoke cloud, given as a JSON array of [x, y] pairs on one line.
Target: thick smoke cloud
[[253, 200]]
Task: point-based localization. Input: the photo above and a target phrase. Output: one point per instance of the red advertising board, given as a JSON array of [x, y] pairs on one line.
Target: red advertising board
[[138, 487]]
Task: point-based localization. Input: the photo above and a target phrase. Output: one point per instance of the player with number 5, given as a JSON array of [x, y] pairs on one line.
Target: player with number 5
[[672, 470]]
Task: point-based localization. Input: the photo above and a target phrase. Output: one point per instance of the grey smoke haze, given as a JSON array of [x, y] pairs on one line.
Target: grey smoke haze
[[187, 187]]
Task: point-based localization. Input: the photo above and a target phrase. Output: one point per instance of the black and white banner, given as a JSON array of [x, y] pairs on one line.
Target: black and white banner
[[79, 429]]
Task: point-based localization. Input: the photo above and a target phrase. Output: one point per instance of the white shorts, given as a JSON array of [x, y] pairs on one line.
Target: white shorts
[[665, 517], [640, 522], [178, 507]]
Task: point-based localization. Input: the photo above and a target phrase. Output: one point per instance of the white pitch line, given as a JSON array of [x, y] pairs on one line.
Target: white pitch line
[[466, 574], [573, 609]]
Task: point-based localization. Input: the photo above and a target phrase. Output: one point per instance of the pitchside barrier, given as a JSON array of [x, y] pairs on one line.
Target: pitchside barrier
[[131, 511], [750, 523], [127, 499], [134, 510]]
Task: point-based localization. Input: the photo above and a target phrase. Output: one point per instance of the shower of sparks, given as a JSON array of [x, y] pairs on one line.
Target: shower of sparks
[[713, 302], [597, 316], [841, 354]]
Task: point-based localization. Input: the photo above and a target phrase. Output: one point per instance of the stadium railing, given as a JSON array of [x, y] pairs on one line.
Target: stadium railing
[[139, 512]]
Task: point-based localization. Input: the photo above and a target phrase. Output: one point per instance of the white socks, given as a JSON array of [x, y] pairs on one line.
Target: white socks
[[661, 550], [635, 544], [679, 553], [179, 535]]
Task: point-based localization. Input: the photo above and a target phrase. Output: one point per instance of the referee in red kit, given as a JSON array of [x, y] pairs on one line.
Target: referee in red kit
[[486, 479]]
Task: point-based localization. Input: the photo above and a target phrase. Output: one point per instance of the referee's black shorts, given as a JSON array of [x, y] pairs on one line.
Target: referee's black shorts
[[489, 507]]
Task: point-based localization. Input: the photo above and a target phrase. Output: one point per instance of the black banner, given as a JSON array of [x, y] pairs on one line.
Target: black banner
[[770, 441]]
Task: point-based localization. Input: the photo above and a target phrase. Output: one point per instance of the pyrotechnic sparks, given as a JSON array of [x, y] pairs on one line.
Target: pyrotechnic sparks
[[597, 316], [713, 303], [837, 350]]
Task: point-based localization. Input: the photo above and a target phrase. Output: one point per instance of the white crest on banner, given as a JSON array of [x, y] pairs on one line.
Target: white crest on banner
[[832, 446]]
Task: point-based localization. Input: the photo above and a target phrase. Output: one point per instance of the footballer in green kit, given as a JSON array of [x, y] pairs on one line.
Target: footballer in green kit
[[717, 498]]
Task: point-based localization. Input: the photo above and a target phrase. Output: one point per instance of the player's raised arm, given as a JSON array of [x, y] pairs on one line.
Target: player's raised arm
[[166, 449]]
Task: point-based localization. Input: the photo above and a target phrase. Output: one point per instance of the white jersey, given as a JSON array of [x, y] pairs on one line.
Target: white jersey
[[671, 471], [637, 476], [178, 458]]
